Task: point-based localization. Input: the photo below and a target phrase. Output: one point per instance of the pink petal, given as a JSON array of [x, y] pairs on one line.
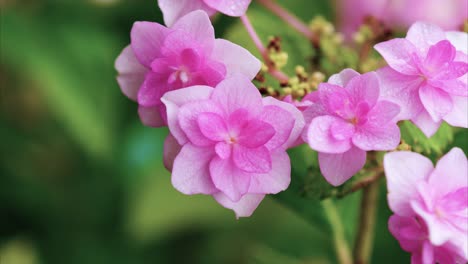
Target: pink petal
[[223, 150], [437, 102], [198, 26], [403, 171], [424, 121], [175, 99], [383, 113], [453, 87], [188, 120], [252, 160], [190, 173], [282, 124], [407, 231], [424, 35], [370, 137], [213, 73], [234, 8], [320, 138], [459, 115], [146, 41], [230, 180], [459, 40], [402, 90], [399, 55], [364, 88], [151, 116], [212, 126], [342, 79], [238, 92], [439, 54], [338, 168], [277, 179], [235, 58], [171, 150], [256, 133], [152, 89], [427, 252], [131, 73], [244, 207], [451, 172], [173, 10], [335, 100]]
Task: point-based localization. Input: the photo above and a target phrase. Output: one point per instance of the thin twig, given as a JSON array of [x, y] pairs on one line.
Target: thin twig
[[279, 75], [343, 253], [365, 236], [362, 183]]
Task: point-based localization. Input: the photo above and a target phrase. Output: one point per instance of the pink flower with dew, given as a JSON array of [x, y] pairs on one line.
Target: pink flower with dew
[[230, 142], [449, 14], [161, 59], [427, 76], [436, 197], [174, 9], [412, 234], [348, 119]]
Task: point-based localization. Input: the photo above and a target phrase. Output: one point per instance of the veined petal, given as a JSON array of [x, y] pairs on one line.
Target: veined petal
[[399, 54], [436, 102], [244, 207], [282, 123], [342, 79], [364, 88], [173, 10], [212, 126], [146, 41], [198, 26], [131, 73], [229, 7], [320, 137], [256, 134], [371, 137], [230, 180], [459, 115], [252, 160], [338, 168], [277, 179], [424, 35], [451, 172]]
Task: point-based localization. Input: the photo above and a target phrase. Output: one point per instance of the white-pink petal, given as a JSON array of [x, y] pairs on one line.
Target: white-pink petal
[[146, 41], [343, 78], [242, 208], [198, 25], [277, 179], [424, 35], [173, 10], [233, 8], [451, 172], [459, 115], [131, 73], [230, 180], [338, 168]]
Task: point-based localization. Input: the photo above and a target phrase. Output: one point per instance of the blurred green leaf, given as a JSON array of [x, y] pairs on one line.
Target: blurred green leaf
[[437, 144]]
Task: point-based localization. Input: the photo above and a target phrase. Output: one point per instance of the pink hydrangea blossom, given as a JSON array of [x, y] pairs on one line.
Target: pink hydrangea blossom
[[174, 9], [161, 59], [431, 204], [427, 76], [449, 14], [232, 142], [348, 119]]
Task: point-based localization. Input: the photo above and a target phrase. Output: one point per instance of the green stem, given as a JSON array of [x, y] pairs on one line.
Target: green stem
[[342, 250], [365, 235]]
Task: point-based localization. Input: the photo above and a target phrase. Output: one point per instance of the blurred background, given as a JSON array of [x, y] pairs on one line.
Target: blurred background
[[82, 181]]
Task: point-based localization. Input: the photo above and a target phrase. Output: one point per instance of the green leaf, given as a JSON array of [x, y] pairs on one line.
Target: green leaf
[[435, 145]]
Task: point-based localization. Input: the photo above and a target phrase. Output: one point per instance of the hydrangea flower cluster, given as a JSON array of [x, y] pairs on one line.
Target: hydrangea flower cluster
[[229, 142], [430, 205]]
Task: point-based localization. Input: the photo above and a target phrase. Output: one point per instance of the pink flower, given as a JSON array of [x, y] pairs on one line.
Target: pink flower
[[427, 76], [233, 142], [347, 120], [437, 198], [174, 9], [449, 15], [161, 59]]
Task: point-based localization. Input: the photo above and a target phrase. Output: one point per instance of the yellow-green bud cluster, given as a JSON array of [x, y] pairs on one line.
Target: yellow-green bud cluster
[[321, 27], [302, 83]]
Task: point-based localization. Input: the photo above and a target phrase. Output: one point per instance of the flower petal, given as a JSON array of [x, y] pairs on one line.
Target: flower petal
[[440, 54], [277, 179], [282, 123], [403, 171], [364, 88], [189, 115], [190, 173], [320, 138], [399, 54], [234, 8], [198, 26], [383, 113], [256, 134], [173, 10], [257, 160], [459, 115], [131, 73], [424, 35], [151, 116], [230, 180], [212, 126], [244, 207], [173, 100], [424, 121], [238, 92], [402, 90], [371, 137], [338, 168], [152, 89], [459, 40], [235, 58], [171, 150], [342, 79], [436, 102], [451, 172], [146, 41]]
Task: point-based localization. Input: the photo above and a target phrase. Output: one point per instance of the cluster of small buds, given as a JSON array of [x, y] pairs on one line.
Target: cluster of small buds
[[277, 56], [303, 83], [372, 31], [321, 27]]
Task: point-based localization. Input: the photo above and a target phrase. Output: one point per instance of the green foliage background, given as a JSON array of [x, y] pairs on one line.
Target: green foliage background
[[82, 181]]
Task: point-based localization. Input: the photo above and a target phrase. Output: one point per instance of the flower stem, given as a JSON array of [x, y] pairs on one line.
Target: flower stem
[[279, 75], [365, 236], [342, 250], [362, 183], [289, 18]]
